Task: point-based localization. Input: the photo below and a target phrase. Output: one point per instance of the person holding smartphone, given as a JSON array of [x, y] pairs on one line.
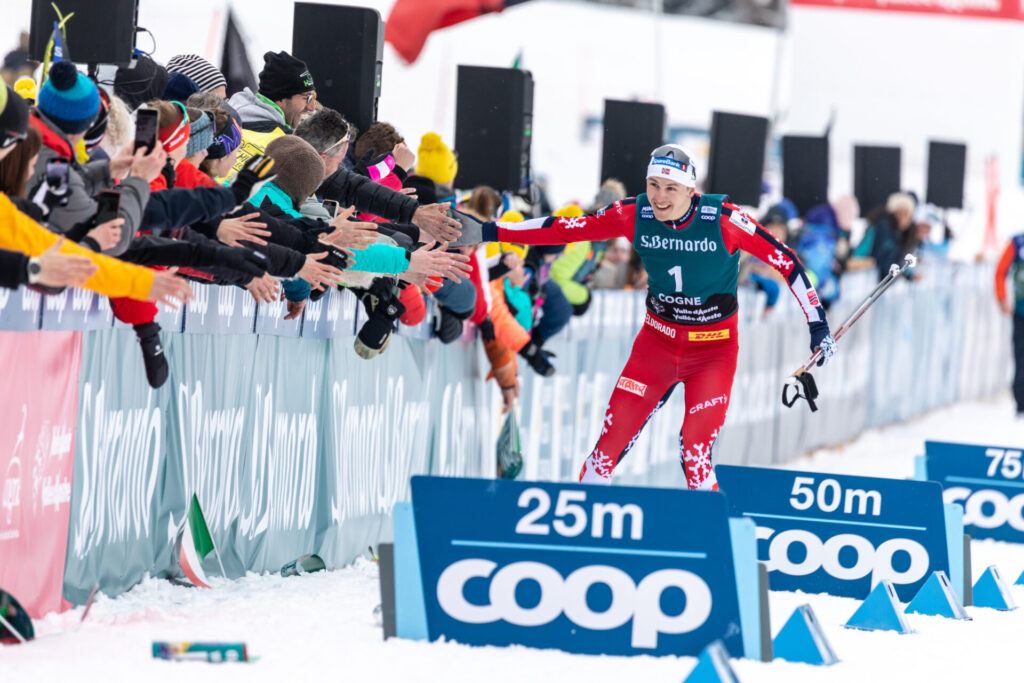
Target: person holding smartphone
[[66, 106]]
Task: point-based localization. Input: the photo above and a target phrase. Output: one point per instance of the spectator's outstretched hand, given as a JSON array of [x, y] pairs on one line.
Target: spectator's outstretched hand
[[350, 234], [404, 156], [64, 270], [432, 220], [264, 289], [108, 234], [439, 263], [256, 173], [294, 308], [418, 279], [245, 228], [319, 275], [169, 289]]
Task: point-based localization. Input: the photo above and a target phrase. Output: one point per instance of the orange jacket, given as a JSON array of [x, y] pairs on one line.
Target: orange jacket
[[505, 326], [114, 278]]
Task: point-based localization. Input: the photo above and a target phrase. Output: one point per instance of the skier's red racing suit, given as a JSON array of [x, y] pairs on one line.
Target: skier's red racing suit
[[689, 333]]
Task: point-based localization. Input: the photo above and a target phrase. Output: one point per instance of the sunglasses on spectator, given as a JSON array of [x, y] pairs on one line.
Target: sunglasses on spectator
[[11, 138], [309, 98], [347, 137]]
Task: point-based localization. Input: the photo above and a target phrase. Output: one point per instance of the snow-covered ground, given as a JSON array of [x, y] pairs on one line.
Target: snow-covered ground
[[324, 625]]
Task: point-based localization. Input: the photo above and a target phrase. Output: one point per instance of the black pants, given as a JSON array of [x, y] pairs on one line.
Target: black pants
[[1018, 360]]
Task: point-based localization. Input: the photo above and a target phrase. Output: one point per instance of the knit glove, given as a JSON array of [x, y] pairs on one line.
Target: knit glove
[[472, 230], [254, 175], [821, 337]]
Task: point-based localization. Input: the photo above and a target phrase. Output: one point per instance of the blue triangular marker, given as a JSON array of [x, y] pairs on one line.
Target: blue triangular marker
[[712, 666], [802, 640], [936, 598], [991, 591], [1020, 580], [880, 611]]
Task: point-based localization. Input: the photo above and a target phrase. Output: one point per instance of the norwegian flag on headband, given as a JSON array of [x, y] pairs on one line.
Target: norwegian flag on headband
[[411, 21]]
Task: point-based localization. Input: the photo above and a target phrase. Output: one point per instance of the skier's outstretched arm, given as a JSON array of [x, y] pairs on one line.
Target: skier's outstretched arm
[[613, 221], [740, 231]]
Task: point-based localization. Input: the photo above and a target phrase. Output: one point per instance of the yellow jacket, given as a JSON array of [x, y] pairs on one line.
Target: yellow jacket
[[114, 278]]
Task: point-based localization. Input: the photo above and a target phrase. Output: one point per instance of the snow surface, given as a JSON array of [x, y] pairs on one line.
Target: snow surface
[[324, 624]]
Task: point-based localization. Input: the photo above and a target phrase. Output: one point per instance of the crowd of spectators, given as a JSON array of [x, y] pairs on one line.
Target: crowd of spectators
[[269, 190]]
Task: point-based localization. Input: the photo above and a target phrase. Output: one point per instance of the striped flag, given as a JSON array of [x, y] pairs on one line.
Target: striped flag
[[196, 544]]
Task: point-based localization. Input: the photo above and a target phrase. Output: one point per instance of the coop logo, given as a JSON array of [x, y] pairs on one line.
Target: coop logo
[[632, 386], [639, 602], [818, 554], [647, 212], [709, 213], [987, 508], [678, 244]]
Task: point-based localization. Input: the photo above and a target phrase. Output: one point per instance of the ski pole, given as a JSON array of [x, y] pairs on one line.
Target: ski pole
[[802, 379]]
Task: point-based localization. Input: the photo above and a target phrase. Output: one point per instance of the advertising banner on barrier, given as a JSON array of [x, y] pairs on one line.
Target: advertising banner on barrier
[[20, 309], [37, 435], [988, 481], [585, 569], [841, 534]]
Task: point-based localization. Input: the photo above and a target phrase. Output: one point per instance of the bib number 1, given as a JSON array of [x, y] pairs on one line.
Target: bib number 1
[[677, 273]]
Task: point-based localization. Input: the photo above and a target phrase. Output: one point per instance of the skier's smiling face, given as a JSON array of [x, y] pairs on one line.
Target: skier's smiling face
[[669, 199]]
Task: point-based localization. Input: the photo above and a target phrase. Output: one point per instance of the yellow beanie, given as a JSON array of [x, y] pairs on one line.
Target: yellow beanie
[[512, 216], [569, 211], [27, 88], [435, 160], [495, 248]]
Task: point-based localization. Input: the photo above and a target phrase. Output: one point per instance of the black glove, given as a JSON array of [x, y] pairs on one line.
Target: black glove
[[255, 173], [242, 260], [335, 256], [538, 359], [168, 173]]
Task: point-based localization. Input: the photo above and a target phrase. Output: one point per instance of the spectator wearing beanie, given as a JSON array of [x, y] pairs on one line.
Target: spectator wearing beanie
[[179, 87], [13, 120], [67, 106], [201, 129], [286, 90], [205, 75], [436, 161], [144, 81]]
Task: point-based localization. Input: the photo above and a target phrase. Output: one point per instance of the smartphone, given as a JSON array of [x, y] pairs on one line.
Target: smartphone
[[57, 174], [108, 206], [145, 128], [331, 206]]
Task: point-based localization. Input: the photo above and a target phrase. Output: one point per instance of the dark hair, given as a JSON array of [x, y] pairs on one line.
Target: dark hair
[[381, 137], [14, 167], [323, 129]]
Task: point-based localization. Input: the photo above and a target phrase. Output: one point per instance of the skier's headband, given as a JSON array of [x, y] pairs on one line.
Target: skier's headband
[[672, 169]]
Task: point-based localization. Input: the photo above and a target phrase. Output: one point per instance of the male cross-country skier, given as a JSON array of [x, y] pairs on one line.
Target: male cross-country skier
[[1011, 263], [690, 245]]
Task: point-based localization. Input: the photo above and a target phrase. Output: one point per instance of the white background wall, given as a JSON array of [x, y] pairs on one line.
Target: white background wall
[[891, 78]]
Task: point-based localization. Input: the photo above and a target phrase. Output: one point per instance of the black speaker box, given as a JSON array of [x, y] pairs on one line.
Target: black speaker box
[[736, 161], [876, 175], [947, 162], [101, 32], [493, 127], [344, 50], [805, 170], [632, 130]]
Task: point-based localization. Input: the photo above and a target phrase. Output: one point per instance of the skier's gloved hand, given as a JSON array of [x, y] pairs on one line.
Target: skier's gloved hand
[[538, 357], [256, 173], [472, 230], [822, 337]]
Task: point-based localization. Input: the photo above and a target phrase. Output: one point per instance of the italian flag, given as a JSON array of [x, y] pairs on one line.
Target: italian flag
[[196, 544]]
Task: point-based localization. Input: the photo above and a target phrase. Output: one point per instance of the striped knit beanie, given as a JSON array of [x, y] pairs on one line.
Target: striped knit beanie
[[69, 99], [204, 74]]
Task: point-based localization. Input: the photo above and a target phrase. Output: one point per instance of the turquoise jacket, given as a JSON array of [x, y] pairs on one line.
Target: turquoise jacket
[[376, 258]]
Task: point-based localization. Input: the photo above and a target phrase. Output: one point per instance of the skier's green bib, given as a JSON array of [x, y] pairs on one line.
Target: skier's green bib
[[691, 275]]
